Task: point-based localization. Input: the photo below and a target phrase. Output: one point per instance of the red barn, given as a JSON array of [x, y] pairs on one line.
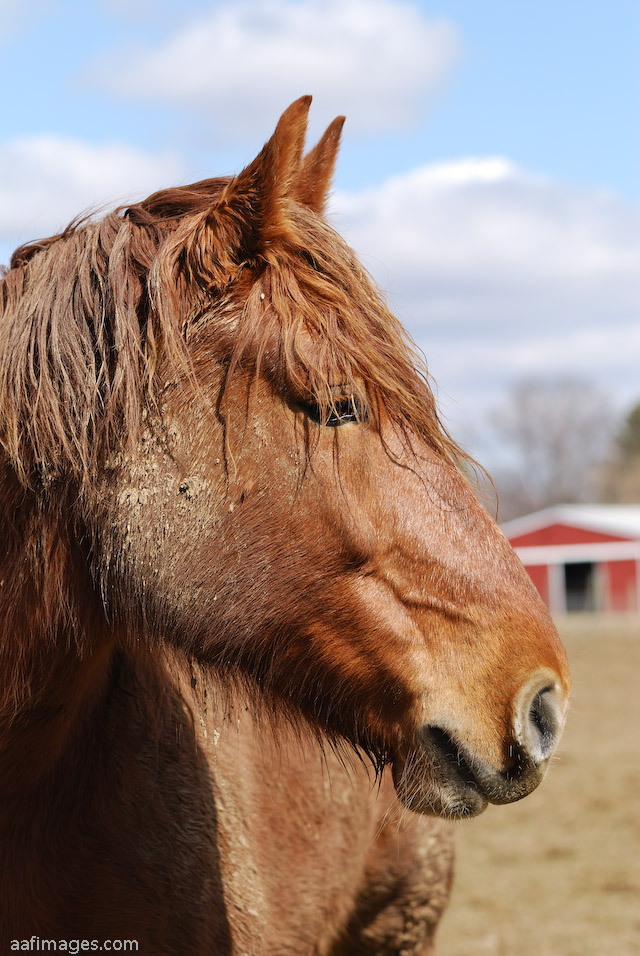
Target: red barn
[[582, 557]]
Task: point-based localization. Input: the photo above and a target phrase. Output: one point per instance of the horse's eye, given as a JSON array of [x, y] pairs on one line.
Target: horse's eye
[[343, 412]]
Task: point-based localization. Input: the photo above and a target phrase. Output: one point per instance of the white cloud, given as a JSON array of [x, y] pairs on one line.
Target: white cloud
[[498, 274], [15, 17], [10, 20], [152, 11], [46, 180], [379, 60]]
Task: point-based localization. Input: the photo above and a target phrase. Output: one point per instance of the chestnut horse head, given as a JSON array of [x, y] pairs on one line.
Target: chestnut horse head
[[222, 440]]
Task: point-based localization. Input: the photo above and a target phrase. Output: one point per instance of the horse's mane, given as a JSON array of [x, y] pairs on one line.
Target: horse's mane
[[87, 316]]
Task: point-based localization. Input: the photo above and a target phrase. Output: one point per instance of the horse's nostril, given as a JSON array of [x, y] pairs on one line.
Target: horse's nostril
[[543, 720], [539, 718]]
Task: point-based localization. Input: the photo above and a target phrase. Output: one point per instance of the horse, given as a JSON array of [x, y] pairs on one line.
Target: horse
[[260, 641]]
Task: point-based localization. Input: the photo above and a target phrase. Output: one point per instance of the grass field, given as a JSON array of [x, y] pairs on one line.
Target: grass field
[[559, 873]]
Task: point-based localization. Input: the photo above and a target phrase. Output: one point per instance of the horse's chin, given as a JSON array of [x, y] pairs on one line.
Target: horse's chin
[[438, 776], [428, 784]]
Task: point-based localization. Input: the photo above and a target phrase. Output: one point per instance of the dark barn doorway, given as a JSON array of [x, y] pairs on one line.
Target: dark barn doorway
[[580, 589]]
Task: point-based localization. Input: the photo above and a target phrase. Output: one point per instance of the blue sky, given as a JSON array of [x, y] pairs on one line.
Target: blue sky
[[489, 175], [553, 85]]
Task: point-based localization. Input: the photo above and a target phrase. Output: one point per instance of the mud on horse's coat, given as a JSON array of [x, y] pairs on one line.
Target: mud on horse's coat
[[238, 554]]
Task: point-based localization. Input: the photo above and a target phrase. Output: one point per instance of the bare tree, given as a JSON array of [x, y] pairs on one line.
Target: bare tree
[[555, 433], [621, 473]]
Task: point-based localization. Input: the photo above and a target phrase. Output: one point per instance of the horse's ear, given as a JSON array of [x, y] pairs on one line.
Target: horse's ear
[[315, 175], [249, 213], [259, 190], [271, 174]]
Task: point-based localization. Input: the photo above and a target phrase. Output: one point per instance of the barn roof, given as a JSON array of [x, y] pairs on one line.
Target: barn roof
[[621, 520]]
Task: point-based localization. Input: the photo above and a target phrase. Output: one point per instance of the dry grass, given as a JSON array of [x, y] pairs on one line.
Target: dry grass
[[559, 873]]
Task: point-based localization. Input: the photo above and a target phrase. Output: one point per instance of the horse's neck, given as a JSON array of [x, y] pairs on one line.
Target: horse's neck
[[104, 794], [54, 652], [49, 691]]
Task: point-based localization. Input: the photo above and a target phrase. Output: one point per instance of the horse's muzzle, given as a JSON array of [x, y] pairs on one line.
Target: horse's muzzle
[[442, 775]]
